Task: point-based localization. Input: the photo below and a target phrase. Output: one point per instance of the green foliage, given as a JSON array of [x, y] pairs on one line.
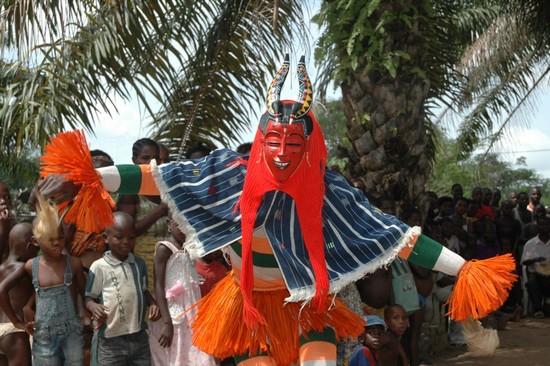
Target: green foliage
[[479, 171], [362, 27], [484, 60], [333, 122], [24, 174], [500, 71], [224, 80], [21, 179]]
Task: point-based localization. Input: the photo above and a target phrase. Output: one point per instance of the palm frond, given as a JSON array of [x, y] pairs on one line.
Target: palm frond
[[76, 59], [535, 15], [220, 87], [519, 114], [494, 79], [95, 54]]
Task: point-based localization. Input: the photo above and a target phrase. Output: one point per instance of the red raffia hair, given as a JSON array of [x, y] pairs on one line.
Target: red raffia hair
[[307, 188]]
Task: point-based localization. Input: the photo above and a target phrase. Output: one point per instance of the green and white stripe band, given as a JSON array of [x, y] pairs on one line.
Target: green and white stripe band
[[432, 255]]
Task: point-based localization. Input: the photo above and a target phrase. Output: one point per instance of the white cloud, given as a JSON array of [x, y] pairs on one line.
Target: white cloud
[[534, 145], [116, 134], [533, 142]]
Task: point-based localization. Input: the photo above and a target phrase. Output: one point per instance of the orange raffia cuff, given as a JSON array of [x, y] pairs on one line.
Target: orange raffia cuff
[[481, 287], [68, 154]]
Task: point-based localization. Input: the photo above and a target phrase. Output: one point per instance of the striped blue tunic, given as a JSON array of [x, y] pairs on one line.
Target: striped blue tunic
[[359, 238]]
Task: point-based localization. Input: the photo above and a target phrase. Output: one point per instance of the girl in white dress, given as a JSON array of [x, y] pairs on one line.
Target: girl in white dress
[[176, 290]]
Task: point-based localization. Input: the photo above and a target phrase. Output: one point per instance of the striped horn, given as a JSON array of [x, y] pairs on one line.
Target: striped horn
[[274, 93], [302, 104]]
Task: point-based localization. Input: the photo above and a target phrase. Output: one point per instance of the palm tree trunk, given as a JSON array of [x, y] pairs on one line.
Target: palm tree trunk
[[386, 116]]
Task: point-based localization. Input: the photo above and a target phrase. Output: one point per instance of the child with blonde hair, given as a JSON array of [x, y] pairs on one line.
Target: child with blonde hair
[[58, 280]]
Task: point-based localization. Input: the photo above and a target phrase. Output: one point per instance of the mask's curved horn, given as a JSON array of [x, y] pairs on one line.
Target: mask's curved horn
[[274, 93], [302, 104]]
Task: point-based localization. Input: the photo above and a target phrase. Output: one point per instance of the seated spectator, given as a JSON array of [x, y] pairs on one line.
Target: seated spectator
[[531, 230], [535, 195], [211, 268], [244, 148], [450, 239], [444, 206], [198, 150], [487, 242], [431, 209], [536, 256], [164, 154], [375, 290], [470, 216], [513, 197], [457, 192], [483, 205], [522, 214], [359, 184], [495, 202], [508, 233], [387, 205], [508, 227], [460, 209], [397, 322], [367, 354]]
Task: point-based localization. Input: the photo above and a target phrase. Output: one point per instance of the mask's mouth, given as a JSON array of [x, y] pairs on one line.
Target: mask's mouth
[[281, 165]]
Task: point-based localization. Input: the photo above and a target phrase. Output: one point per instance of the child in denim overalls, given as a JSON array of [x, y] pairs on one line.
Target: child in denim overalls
[[57, 327]]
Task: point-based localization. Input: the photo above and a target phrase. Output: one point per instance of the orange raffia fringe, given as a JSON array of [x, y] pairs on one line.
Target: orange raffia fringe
[[218, 328], [481, 287], [68, 154]]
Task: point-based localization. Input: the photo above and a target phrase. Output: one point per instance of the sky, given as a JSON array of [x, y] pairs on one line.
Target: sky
[[116, 134], [532, 142]]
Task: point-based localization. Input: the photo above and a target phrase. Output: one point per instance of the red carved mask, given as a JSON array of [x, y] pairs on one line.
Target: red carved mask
[[283, 148]]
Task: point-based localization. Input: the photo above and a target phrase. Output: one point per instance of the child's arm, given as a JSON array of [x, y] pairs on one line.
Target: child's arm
[[78, 275], [154, 312], [30, 308], [6, 285], [403, 355], [80, 284], [94, 289], [160, 211], [162, 254], [99, 312], [5, 226], [389, 349], [130, 205]]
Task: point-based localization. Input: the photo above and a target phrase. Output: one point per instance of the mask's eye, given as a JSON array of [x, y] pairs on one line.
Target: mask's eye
[[294, 144]]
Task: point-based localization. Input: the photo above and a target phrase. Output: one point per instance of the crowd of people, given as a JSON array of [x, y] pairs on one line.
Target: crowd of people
[[393, 298], [477, 227]]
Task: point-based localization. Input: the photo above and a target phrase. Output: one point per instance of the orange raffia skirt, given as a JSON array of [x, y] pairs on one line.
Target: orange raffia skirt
[[219, 330]]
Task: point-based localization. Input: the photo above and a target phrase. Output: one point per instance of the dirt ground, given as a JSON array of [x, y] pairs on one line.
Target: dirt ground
[[521, 343]]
